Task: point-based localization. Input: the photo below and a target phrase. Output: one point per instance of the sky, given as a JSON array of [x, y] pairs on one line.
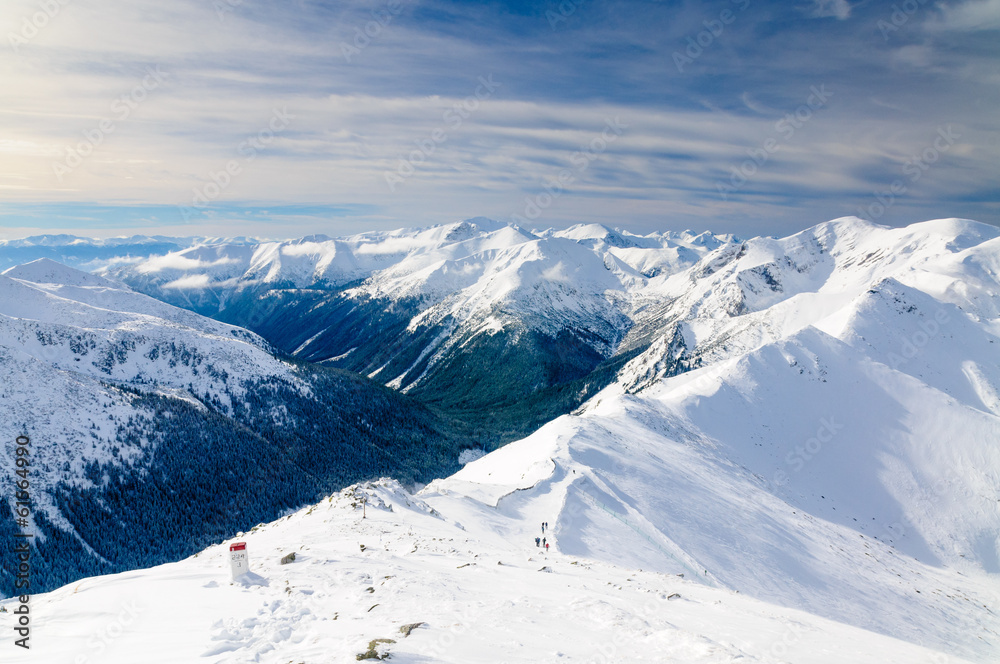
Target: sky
[[286, 118]]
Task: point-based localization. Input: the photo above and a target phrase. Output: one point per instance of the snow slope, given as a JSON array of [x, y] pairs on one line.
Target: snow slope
[[478, 595], [810, 422], [728, 479], [87, 324], [67, 336], [838, 451], [136, 407], [743, 295]]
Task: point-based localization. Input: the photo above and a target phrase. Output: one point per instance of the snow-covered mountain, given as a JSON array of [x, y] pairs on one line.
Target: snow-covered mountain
[[761, 290], [431, 578], [837, 451], [510, 325], [464, 269], [149, 420], [811, 422], [93, 254]]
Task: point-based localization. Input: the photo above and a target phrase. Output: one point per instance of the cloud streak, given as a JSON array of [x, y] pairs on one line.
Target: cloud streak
[[354, 119]]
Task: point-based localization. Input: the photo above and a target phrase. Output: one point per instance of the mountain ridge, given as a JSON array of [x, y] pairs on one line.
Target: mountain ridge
[[144, 416]]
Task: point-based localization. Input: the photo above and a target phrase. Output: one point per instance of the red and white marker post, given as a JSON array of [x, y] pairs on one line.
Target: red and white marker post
[[239, 563]]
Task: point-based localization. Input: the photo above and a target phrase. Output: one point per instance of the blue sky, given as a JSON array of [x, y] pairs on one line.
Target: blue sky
[[277, 119]]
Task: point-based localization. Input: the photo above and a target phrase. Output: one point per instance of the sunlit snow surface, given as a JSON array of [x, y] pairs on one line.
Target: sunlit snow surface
[[828, 482], [484, 594]]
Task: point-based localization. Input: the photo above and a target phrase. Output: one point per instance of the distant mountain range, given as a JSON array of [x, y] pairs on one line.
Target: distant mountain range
[[498, 326], [89, 254], [495, 326]]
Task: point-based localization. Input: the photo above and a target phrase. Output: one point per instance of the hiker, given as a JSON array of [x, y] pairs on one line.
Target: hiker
[[543, 526], [546, 548], [537, 540], [543, 542]]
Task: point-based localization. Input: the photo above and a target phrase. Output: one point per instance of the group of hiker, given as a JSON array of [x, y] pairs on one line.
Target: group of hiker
[[541, 541]]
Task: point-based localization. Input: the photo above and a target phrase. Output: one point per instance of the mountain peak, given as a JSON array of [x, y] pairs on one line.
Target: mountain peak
[[960, 233], [485, 223], [48, 271], [586, 232], [468, 228]]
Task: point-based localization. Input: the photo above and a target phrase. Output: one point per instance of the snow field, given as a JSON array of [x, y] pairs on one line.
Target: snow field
[[493, 601]]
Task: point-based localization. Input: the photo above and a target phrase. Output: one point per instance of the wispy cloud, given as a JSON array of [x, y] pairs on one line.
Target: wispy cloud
[[839, 9], [972, 15], [416, 61]]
